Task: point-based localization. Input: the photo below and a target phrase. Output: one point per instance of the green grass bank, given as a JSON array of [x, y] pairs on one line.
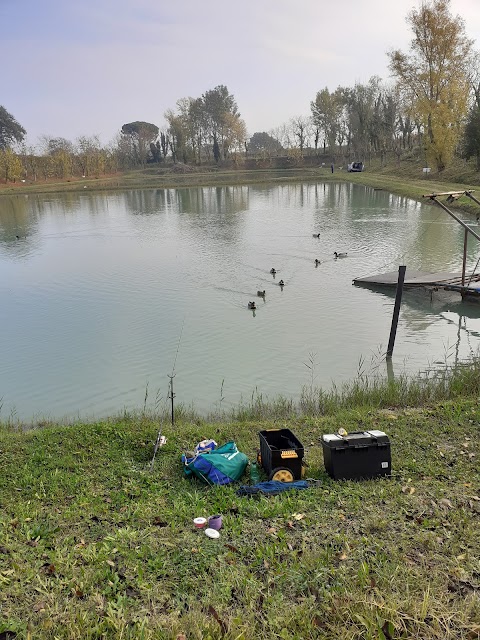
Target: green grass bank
[[93, 544]]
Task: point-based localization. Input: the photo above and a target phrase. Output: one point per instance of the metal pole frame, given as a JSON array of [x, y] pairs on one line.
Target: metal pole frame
[[456, 194], [464, 263], [434, 197]]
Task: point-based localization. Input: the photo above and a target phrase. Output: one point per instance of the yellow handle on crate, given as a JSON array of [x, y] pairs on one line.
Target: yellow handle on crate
[[289, 454]]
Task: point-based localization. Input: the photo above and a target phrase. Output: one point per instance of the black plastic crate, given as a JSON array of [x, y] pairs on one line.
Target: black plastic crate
[[360, 454], [280, 448]]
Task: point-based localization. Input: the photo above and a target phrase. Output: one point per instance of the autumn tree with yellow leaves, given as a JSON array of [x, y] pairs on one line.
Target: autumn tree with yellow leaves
[[434, 77]]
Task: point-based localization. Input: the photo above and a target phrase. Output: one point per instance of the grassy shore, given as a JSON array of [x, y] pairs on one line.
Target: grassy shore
[[93, 544], [168, 178]]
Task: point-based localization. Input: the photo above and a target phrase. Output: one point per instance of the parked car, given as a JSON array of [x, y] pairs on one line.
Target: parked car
[[355, 166]]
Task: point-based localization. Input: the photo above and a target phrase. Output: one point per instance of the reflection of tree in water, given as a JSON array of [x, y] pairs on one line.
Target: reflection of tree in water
[[16, 220], [332, 196], [353, 199], [213, 201], [296, 195], [146, 201], [213, 211], [20, 215], [206, 202], [72, 203], [361, 212]]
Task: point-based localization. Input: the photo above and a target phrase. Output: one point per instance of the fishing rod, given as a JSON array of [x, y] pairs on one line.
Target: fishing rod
[[173, 374], [161, 439]]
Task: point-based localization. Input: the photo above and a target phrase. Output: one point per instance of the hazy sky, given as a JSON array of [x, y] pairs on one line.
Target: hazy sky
[[87, 67]]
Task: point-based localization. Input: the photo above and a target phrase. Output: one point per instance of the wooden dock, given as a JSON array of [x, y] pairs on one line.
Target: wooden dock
[[441, 280], [466, 284]]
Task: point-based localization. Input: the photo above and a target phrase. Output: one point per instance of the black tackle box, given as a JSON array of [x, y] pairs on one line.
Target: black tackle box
[[360, 454], [280, 448]]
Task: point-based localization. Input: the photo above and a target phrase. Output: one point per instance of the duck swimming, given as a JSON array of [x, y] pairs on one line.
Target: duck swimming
[[273, 271], [316, 235], [340, 255], [261, 294], [252, 305]]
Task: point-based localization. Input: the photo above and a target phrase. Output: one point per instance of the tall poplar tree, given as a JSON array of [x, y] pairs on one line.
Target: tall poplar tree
[[327, 111], [435, 76]]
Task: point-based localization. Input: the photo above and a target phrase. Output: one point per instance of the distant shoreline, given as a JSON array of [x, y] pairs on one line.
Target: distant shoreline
[[403, 182]]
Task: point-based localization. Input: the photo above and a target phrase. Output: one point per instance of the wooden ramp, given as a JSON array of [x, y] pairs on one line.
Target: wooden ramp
[[442, 279]]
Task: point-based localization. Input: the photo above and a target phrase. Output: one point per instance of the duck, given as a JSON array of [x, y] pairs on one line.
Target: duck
[[281, 283], [252, 305], [317, 262], [273, 271], [261, 294], [340, 255], [316, 235]]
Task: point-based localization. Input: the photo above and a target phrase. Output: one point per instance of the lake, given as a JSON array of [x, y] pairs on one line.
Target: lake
[[102, 295]]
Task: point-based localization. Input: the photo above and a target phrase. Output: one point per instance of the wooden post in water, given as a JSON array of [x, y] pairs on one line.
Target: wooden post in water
[[396, 310]]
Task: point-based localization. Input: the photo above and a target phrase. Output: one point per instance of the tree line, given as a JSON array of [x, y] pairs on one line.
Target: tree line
[[432, 109]]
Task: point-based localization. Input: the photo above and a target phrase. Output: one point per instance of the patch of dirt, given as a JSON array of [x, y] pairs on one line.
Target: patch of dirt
[[179, 167]]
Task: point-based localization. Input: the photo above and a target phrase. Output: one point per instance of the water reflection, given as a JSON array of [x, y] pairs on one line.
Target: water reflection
[[207, 201], [424, 301], [21, 217], [145, 202], [15, 218]]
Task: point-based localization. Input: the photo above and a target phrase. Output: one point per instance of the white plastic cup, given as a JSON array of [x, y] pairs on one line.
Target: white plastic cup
[[199, 522]]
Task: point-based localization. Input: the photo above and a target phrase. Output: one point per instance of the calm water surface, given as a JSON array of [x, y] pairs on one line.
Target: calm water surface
[[100, 291]]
